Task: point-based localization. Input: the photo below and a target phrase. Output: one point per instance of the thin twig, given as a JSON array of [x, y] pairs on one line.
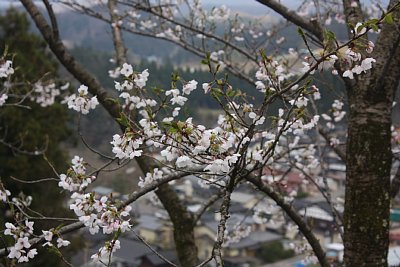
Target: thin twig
[[153, 250]]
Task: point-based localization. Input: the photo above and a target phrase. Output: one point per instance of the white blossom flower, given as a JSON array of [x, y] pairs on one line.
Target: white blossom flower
[[252, 115], [357, 69], [150, 178], [260, 120], [10, 229], [218, 166], [178, 100], [15, 253], [189, 87], [348, 74], [48, 236], [6, 69], [126, 70], [260, 86], [114, 73], [206, 87], [370, 47], [176, 111], [31, 253], [62, 243], [366, 64], [3, 98], [280, 40], [141, 79], [359, 29], [126, 147], [44, 94], [301, 102], [22, 242], [4, 194], [183, 161]]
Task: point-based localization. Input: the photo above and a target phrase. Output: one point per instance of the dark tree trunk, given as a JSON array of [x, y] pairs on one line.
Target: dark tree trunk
[[366, 217], [183, 222], [368, 153]]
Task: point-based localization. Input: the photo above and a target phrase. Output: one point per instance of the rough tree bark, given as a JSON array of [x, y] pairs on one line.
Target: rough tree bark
[[369, 156]]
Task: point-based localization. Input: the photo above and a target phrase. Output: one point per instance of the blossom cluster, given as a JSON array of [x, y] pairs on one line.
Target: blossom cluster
[[81, 102], [171, 33], [139, 79], [21, 250], [22, 230], [353, 57], [184, 144], [126, 146], [95, 213], [106, 251], [238, 232], [75, 179], [48, 237], [215, 142], [306, 159], [156, 174], [44, 94], [271, 75], [100, 213], [337, 114], [298, 126], [6, 70]]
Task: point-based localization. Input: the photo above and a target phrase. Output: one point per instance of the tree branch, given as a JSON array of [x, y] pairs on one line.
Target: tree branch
[[131, 198], [311, 26], [185, 45], [53, 19], [120, 49], [69, 62], [296, 218], [153, 250], [206, 205], [341, 152]]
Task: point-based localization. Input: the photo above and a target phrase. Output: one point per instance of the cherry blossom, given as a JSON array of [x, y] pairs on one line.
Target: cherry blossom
[[189, 87], [126, 70], [81, 102], [3, 98], [62, 243], [141, 79], [6, 69], [4, 194]]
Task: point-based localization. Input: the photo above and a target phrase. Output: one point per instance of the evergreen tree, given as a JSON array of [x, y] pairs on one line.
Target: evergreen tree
[[24, 131]]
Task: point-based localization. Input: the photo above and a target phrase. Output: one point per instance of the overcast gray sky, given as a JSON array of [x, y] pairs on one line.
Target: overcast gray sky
[[291, 3]]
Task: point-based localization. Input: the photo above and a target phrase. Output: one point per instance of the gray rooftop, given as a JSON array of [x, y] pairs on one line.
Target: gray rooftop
[[150, 222], [102, 190], [256, 238]]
